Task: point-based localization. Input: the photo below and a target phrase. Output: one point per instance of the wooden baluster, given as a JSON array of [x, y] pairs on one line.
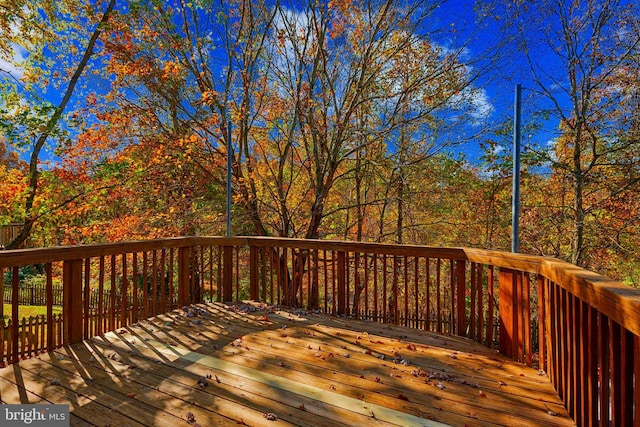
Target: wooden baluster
[[572, 345], [49, 303], [154, 282], [42, 330], [553, 333], [591, 366], [636, 370], [542, 315], [480, 303], [564, 340], [23, 336], [342, 283], [626, 378], [453, 298], [163, 281], [271, 272], [356, 286], [615, 358], [227, 274], [427, 305], [472, 301], [316, 280], [172, 289], [375, 288], [334, 295], [438, 296], [394, 291], [416, 296], [124, 293], [263, 263], [253, 273], [87, 297], [112, 302], [526, 326], [384, 289], [145, 285], [183, 275], [405, 273], [300, 280], [310, 289], [210, 275], [490, 306], [604, 362], [15, 301], [134, 288], [236, 271]]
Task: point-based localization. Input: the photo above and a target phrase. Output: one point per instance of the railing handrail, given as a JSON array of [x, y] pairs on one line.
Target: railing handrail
[[612, 298]]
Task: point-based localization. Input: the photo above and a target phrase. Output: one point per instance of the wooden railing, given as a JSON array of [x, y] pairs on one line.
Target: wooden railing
[[580, 328]]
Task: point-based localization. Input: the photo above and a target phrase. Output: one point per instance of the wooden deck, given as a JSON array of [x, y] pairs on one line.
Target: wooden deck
[[253, 365]]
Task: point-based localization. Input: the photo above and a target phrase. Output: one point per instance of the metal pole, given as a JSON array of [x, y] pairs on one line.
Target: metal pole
[[515, 205], [229, 155]]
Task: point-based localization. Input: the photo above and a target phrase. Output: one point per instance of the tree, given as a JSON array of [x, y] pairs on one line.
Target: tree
[[586, 44], [49, 120]]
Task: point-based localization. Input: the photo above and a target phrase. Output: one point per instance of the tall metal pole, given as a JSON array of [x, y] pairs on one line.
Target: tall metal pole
[[229, 155], [515, 205]]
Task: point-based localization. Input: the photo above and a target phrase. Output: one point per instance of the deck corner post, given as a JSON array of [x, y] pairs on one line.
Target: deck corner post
[[254, 262], [507, 307], [184, 265], [342, 283], [227, 273], [72, 301]]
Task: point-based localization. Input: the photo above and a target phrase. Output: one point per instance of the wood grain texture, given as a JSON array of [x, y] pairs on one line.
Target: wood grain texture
[[227, 364]]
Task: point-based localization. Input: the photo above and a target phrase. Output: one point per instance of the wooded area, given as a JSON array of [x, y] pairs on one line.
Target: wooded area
[[347, 121]]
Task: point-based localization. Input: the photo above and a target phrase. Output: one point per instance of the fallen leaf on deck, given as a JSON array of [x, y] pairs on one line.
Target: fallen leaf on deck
[[191, 418], [403, 397], [482, 393], [302, 407], [271, 417]]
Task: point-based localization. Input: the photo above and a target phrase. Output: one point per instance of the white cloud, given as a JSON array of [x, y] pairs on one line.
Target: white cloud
[[482, 107], [12, 66]]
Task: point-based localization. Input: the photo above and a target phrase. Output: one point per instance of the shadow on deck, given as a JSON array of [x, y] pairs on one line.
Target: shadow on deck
[[253, 364]]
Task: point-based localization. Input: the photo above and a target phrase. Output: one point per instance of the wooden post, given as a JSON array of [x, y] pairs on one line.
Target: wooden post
[[15, 301], [72, 301], [254, 261], [227, 274], [461, 303], [507, 306], [342, 284]]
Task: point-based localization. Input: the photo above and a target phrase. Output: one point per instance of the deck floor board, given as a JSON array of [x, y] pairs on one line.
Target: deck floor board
[[215, 364]]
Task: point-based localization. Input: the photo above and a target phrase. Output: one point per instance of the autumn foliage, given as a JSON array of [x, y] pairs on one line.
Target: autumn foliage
[[344, 120]]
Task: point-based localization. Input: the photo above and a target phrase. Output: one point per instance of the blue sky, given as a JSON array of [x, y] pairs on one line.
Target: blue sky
[[455, 26]]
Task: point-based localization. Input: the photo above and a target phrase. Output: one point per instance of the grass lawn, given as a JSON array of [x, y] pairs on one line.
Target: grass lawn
[[29, 310]]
